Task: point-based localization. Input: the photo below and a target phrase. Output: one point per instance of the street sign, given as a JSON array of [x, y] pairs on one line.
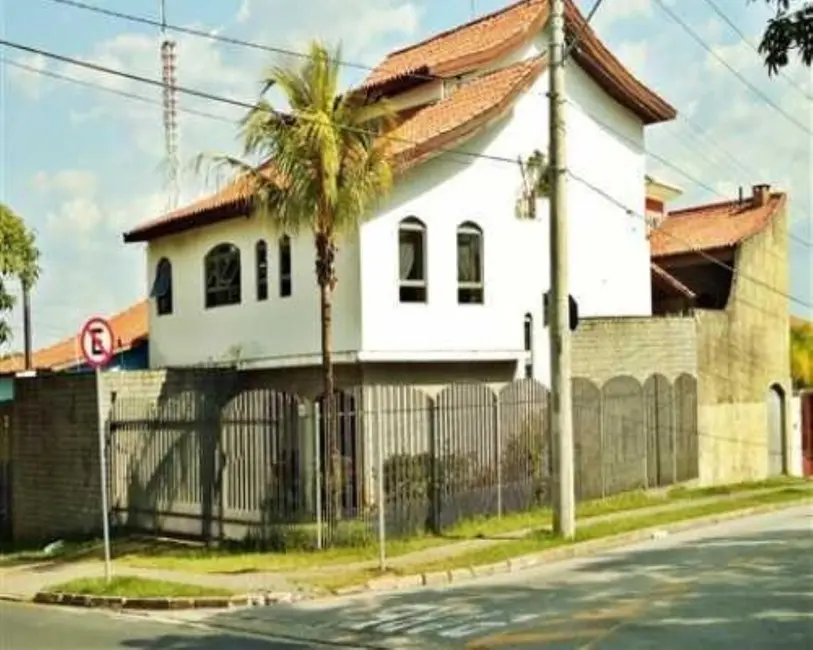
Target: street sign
[[96, 340]]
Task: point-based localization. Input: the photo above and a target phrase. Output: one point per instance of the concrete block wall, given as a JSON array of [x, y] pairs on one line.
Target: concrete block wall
[[55, 456], [603, 348]]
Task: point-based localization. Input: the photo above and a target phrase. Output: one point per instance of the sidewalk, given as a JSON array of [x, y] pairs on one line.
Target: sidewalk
[[25, 581]]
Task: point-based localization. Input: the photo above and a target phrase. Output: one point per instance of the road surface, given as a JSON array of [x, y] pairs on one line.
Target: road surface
[[745, 585], [33, 627]]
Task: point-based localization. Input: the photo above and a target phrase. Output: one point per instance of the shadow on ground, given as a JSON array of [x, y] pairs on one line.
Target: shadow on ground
[[739, 591]]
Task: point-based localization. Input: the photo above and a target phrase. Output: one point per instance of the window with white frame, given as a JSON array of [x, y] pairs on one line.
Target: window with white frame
[[470, 264], [261, 261], [412, 260]]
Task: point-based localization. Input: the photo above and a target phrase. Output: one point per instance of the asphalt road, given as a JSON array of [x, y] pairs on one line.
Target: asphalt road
[[31, 627], [746, 585]]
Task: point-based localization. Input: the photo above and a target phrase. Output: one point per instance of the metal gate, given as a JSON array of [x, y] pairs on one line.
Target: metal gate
[[5, 472], [776, 431]]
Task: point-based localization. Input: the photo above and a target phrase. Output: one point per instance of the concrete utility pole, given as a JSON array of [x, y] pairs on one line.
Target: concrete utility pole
[[561, 411]]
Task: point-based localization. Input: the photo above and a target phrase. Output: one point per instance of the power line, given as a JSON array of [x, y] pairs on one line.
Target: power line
[[691, 246], [200, 94], [693, 179], [700, 41], [112, 91], [724, 17], [240, 104]]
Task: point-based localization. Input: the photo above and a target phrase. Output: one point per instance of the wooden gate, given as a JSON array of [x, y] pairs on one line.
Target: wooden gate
[[5, 471]]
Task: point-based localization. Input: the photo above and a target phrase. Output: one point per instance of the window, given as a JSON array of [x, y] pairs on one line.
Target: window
[[412, 260], [285, 266], [162, 287], [528, 336], [222, 276], [469, 264], [261, 254]]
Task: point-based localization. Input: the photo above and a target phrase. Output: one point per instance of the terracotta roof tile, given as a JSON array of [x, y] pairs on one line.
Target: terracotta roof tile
[[421, 134], [474, 44], [712, 226], [483, 39], [129, 327], [456, 116]]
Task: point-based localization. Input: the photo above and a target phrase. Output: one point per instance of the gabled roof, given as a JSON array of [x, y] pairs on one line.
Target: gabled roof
[[422, 134], [130, 327], [482, 41], [713, 226], [461, 114]]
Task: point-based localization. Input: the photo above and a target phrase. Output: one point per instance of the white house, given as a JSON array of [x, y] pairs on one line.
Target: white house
[[446, 280]]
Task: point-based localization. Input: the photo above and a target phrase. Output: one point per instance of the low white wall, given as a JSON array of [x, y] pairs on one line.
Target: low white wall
[[795, 438]]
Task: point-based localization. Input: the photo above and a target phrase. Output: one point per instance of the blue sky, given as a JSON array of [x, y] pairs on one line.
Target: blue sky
[[82, 165]]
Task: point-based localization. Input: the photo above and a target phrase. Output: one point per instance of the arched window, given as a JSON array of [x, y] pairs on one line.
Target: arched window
[[285, 266], [161, 290], [222, 276], [528, 342], [412, 260], [261, 261], [469, 264]]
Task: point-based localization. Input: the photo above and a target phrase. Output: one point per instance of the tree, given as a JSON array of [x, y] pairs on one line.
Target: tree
[[19, 259], [791, 29], [801, 354], [322, 168]]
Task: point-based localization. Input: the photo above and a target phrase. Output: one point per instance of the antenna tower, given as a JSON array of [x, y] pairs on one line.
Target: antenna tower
[[170, 103]]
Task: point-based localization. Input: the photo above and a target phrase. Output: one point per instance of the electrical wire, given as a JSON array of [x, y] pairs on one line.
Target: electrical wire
[[217, 98], [700, 41], [725, 18], [105, 89]]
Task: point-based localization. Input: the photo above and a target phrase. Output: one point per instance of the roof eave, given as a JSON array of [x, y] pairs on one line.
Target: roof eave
[[230, 210]]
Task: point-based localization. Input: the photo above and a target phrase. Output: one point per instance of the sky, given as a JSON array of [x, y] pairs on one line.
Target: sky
[[82, 165]]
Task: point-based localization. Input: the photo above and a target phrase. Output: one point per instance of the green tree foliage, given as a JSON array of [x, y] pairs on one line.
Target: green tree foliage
[[789, 32], [323, 167], [19, 260], [801, 353]]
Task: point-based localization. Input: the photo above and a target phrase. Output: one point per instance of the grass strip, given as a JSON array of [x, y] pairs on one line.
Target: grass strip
[[134, 587], [542, 540]]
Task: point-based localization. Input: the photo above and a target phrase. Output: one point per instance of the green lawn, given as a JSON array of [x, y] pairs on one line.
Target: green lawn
[[541, 540], [130, 587]]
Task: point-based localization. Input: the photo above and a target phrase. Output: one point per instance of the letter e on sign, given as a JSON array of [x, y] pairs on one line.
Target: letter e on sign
[[96, 340]]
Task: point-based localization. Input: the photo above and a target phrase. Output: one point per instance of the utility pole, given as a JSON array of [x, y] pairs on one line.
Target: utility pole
[[561, 411], [27, 325]]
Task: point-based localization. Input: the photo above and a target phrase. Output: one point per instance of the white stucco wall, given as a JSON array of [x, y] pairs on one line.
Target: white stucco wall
[[277, 331], [609, 255], [795, 460]]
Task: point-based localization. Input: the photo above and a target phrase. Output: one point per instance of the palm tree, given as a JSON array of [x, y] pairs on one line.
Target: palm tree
[[323, 167]]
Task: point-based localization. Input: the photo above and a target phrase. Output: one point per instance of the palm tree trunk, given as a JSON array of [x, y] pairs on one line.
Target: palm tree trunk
[[326, 278]]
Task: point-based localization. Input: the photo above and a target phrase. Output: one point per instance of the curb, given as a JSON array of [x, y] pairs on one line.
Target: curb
[[161, 604], [572, 551]]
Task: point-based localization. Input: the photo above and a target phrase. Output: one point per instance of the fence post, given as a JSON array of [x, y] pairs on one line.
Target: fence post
[[434, 492], [381, 498], [317, 445], [498, 451]]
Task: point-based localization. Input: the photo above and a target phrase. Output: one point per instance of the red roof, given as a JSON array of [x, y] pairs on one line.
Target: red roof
[[713, 226], [479, 42], [465, 111], [423, 133], [129, 327]]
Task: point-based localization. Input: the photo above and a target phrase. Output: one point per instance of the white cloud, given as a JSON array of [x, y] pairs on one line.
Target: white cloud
[[29, 81]]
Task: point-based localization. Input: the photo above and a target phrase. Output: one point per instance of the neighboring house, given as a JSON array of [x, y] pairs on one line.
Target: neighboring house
[[445, 281], [742, 326], [131, 351]]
